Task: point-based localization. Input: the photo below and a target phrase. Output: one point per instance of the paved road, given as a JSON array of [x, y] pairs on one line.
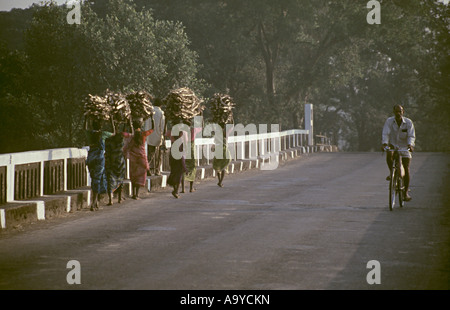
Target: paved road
[[313, 223]]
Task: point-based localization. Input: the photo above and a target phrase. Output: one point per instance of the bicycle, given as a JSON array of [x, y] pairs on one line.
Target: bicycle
[[396, 186]]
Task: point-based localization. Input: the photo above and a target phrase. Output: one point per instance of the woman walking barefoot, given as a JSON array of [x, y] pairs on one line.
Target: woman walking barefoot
[[222, 113], [135, 152], [96, 159], [115, 165], [220, 164], [191, 163], [177, 168]]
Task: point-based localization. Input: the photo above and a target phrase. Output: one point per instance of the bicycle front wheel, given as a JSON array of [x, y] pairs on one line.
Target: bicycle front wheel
[[392, 189]]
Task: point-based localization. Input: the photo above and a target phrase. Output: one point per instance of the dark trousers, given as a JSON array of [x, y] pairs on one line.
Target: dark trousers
[[154, 158]]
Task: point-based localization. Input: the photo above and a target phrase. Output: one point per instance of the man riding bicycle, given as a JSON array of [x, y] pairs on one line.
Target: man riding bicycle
[[399, 132]]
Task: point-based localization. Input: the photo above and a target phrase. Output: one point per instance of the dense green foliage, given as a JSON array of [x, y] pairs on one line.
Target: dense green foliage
[[272, 57], [44, 84]]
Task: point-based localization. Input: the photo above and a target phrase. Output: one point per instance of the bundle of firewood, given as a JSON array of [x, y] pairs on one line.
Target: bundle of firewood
[[120, 108], [182, 105], [140, 105], [221, 106], [97, 107]]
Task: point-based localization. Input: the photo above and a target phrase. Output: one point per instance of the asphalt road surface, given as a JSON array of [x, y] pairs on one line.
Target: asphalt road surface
[[320, 222]]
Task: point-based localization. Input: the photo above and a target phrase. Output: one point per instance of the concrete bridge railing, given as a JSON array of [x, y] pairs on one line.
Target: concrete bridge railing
[[33, 174]]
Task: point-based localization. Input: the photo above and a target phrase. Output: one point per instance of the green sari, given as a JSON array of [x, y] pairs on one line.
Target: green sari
[[191, 167], [220, 164]]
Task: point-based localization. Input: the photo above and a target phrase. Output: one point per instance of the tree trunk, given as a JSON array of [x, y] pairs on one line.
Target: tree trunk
[[270, 56]]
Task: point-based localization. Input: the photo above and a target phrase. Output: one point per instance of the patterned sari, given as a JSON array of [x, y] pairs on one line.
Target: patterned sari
[[138, 158], [96, 160], [114, 162]]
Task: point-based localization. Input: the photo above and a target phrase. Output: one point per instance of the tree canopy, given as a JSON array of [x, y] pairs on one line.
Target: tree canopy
[[122, 50], [272, 57]]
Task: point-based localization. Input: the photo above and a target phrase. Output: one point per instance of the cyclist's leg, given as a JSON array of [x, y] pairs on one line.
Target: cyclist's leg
[[389, 161], [406, 163]]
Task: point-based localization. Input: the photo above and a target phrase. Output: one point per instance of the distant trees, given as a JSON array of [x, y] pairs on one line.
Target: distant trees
[[275, 56], [134, 51], [125, 50], [272, 57]]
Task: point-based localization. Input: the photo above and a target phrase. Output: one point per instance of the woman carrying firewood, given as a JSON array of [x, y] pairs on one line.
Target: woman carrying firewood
[[221, 162], [177, 166], [115, 165], [191, 163], [96, 159], [182, 105], [135, 152], [115, 161], [222, 113]]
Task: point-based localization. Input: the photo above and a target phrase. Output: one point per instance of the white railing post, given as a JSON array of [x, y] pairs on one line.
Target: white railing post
[[10, 181], [65, 180], [41, 172], [309, 124]]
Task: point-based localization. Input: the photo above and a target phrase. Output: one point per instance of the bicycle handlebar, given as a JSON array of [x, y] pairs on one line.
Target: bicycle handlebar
[[387, 148]]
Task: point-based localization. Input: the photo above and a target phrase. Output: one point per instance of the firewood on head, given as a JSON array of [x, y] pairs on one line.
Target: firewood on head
[[96, 107], [120, 108], [182, 105], [221, 106], [141, 105]]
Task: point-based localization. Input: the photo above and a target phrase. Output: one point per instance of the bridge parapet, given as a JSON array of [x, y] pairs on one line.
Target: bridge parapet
[[27, 175], [32, 174], [31, 181]]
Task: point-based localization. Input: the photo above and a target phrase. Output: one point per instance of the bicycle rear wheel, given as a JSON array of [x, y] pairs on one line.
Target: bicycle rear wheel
[[392, 190]]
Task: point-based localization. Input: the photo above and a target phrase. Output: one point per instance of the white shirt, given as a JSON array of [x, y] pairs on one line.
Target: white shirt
[[399, 136], [156, 137]]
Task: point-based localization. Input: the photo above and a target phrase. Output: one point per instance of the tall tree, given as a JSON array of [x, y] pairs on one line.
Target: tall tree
[[54, 60], [136, 52], [124, 50], [272, 57], [17, 132]]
